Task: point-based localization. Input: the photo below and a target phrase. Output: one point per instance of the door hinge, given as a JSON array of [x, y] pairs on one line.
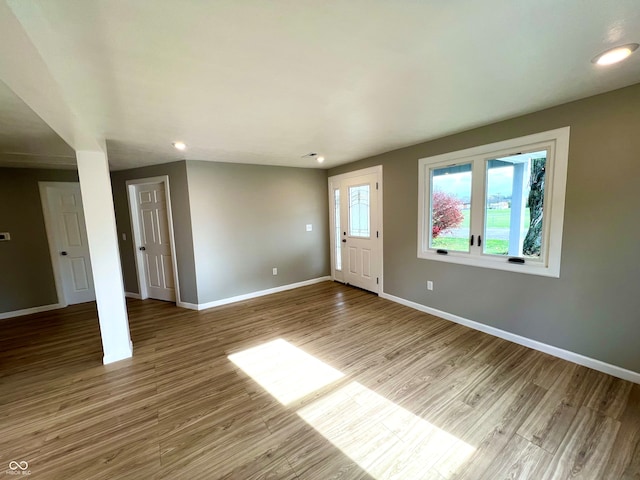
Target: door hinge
[[377, 234], [376, 185], [377, 281]]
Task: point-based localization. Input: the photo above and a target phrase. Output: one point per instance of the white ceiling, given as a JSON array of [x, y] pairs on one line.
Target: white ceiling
[[266, 82], [26, 140]]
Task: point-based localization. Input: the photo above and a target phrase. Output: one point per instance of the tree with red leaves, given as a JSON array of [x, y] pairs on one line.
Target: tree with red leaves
[[446, 212]]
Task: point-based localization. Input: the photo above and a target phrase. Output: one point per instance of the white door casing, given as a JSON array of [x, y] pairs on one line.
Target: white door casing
[[152, 228], [67, 236], [355, 201]]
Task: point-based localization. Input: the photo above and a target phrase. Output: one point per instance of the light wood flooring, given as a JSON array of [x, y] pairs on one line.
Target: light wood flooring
[[384, 392]]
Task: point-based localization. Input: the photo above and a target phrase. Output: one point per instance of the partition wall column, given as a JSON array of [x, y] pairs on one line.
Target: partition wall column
[[97, 199]]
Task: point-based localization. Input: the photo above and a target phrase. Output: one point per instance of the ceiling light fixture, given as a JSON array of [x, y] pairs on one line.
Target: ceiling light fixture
[[319, 158], [615, 55], [180, 146]]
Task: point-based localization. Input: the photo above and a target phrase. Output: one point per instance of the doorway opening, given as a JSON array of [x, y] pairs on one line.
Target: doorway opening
[[153, 238], [67, 236], [355, 208]]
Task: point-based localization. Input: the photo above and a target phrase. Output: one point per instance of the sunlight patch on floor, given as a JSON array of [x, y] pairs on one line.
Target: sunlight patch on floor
[[285, 371], [384, 439]]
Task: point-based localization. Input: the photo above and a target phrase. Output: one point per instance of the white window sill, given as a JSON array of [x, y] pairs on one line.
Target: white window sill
[[531, 267]]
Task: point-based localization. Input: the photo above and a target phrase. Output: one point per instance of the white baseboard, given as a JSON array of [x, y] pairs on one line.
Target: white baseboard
[[190, 306], [132, 295], [527, 342], [248, 296], [117, 356], [29, 311]]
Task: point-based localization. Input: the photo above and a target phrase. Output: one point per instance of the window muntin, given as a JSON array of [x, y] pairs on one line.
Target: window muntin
[[500, 236]]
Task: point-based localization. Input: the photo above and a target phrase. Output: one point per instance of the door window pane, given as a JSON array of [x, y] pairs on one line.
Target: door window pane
[[450, 204], [337, 229], [514, 205], [359, 219]]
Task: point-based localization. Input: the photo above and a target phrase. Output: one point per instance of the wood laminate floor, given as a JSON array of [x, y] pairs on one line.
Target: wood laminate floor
[[322, 382]]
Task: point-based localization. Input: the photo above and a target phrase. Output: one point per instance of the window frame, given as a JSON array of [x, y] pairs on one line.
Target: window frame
[[556, 142]]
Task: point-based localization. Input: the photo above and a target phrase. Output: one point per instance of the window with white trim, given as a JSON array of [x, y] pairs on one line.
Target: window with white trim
[[496, 206]]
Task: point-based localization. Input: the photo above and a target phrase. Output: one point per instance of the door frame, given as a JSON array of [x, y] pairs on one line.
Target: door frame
[[377, 170], [50, 227], [134, 216]]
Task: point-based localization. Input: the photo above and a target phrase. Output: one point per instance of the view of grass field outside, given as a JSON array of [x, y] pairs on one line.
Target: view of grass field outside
[[514, 181], [496, 218]]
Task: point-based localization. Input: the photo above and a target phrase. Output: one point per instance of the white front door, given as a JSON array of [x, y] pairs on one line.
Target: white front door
[[356, 237], [64, 219], [153, 241]]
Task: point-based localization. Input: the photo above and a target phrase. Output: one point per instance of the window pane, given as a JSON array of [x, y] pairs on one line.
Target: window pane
[[450, 204], [514, 205], [338, 232], [359, 221]]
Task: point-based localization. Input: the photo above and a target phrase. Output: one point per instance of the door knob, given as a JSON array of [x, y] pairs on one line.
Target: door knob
[[64, 254], [142, 248]]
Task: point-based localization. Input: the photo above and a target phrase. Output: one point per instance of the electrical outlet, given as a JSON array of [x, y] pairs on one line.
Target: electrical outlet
[[429, 285], [275, 271]]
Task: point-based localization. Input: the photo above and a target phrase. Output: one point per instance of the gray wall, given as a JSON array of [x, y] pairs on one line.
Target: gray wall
[[27, 276], [248, 219], [594, 307], [181, 224]]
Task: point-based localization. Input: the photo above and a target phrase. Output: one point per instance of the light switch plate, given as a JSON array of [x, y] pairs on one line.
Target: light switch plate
[[309, 227], [5, 236]]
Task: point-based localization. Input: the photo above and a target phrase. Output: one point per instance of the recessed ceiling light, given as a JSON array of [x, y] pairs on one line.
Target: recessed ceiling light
[[320, 159], [180, 145], [615, 55]]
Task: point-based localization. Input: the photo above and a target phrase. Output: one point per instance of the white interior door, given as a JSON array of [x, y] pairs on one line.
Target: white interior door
[[64, 219], [356, 237], [153, 241]]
